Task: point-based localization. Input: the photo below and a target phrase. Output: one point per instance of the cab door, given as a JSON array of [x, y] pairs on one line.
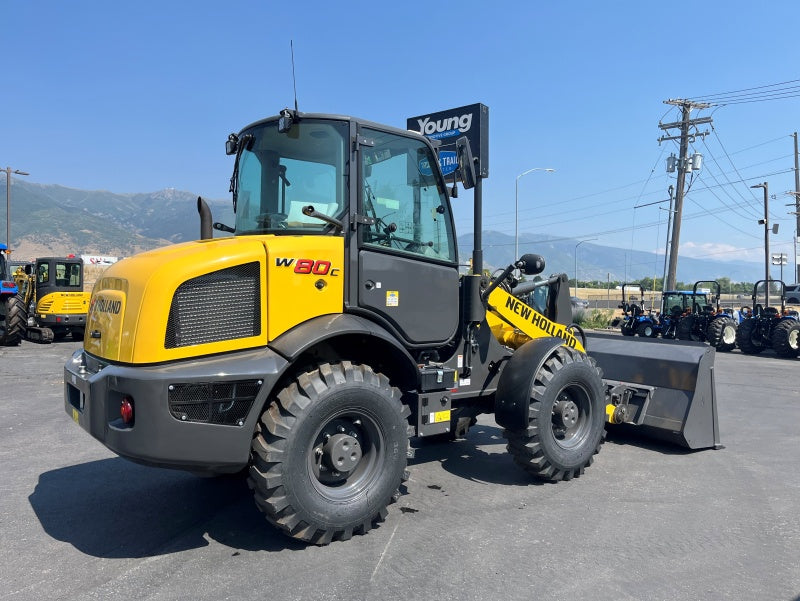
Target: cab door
[[407, 256]]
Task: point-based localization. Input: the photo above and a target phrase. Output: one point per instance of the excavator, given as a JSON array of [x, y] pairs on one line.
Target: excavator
[[52, 293], [337, 323]]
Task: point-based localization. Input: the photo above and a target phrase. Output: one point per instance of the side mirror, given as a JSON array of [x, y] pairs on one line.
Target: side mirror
[[231, 144], [466, 165]]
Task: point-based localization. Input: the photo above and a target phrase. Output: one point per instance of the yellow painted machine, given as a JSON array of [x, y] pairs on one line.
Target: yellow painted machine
[[52, 292], [309, 347]]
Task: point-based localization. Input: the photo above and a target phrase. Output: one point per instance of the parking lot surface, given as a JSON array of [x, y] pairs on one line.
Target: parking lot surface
[[646, 521]]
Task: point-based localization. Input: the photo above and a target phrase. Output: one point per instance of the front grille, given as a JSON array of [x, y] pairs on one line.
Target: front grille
[[226, 403], [222, 305]]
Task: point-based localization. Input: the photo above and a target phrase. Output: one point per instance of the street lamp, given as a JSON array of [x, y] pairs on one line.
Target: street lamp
[[576, 262], [516, 207], [8, 201]]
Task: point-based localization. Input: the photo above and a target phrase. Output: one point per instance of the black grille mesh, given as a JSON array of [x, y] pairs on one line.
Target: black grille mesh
[[226, 403], [222, 305]]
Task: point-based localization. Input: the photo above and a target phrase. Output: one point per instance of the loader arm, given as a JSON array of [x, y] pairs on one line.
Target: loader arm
[[508, 316]]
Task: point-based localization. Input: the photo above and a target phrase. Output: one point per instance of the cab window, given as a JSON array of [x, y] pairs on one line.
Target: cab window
[[43, 273], [402, 194]]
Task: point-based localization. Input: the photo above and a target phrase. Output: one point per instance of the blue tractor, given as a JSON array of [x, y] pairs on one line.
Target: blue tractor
[[634, 314], [706, 321], [650, 324], [13, 314], [770, 327]]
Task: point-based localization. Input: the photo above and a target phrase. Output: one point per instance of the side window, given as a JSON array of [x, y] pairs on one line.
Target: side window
[[42, 276], [399, 191]]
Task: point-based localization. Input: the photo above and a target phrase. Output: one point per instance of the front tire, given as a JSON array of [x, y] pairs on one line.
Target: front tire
[[685, 329], [566, 424], [646, 330], [329, 453], [721, 333]]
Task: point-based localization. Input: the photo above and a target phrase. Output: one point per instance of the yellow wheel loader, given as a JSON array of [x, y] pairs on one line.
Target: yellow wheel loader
[[335, 324], [53, 295]]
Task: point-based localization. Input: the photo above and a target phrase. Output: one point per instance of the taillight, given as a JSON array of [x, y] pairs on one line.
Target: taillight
[[126, 410]]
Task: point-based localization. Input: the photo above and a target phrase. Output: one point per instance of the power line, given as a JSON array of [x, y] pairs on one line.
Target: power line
[[776, 91]]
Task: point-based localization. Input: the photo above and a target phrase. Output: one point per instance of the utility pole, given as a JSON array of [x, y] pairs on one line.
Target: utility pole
[[796, 207], [8, 201], [671, 191], [685, 165]]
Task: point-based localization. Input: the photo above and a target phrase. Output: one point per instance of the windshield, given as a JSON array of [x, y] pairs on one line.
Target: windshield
[[3, 267], [280, 173]]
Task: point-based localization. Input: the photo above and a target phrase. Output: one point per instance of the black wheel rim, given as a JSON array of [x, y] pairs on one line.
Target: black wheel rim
[[345, 454], [571, 417]]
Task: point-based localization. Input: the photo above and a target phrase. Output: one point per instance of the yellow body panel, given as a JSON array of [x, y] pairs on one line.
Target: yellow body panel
[[63, 303], [131, 303], [306, 279], [523, 322]]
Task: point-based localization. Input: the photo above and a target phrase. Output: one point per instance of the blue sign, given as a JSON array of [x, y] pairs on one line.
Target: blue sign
[[448, 162], [471, 121]]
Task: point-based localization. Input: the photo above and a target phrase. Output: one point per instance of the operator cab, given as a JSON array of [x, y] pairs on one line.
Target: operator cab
[[377, 187], [58, 274]]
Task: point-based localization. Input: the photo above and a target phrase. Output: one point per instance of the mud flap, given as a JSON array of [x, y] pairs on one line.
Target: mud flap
[[665, 389]]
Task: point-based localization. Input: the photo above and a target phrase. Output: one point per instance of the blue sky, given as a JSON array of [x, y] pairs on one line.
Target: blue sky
[[136, 97]]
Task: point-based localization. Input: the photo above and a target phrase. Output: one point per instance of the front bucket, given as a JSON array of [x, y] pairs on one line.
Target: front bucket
[[666, 387]]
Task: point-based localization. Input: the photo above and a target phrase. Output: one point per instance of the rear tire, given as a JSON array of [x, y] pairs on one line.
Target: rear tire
[[329, 453], [13, 321], [745, 339], [721, 333], [786, 338], [566, 423]]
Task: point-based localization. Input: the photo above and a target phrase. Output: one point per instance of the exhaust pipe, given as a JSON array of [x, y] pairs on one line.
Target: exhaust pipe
[[206, 232]]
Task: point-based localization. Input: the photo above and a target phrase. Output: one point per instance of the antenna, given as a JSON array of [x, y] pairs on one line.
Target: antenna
[[294, 79]]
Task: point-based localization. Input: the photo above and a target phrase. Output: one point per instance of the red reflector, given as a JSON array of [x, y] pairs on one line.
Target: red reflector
[[58, 320], [126, 410]]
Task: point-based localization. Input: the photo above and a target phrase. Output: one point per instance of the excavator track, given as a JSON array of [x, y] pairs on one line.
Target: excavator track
[[40, 335]]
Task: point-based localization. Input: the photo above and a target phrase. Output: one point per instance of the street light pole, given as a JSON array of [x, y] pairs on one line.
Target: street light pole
[[516, 206], [765, 221], [576, 262], [8, 201]]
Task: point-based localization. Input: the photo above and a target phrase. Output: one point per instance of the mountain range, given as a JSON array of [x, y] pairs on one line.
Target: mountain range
[[48, 219]]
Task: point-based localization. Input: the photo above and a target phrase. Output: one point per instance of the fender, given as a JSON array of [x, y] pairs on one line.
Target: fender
[[310, 333], [512, 399]]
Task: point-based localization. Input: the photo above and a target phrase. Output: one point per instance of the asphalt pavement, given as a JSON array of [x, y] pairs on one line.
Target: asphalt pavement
[[646, 521]]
